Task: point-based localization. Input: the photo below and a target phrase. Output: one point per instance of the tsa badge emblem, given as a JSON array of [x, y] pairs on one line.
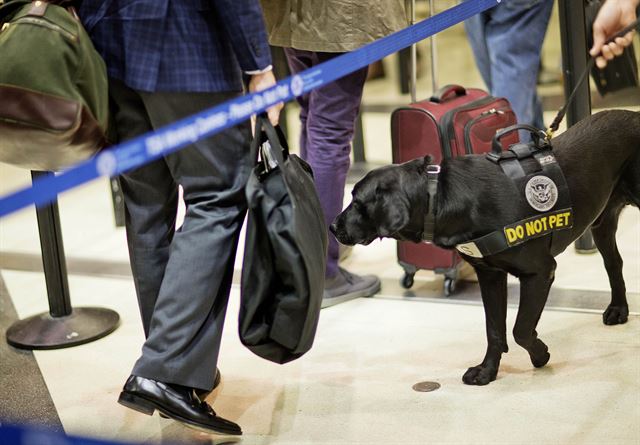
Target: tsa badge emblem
[[541, 193]]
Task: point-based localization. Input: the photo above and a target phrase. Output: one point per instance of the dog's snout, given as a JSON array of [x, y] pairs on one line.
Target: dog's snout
[[338, 230]]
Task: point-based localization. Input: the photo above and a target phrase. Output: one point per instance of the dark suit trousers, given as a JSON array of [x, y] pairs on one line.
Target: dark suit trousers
[[182, 277]]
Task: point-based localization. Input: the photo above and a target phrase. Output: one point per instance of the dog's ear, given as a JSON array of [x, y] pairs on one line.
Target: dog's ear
[[392, 214]]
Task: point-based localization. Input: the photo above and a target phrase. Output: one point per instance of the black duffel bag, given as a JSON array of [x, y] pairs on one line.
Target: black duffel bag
[[285, 252]]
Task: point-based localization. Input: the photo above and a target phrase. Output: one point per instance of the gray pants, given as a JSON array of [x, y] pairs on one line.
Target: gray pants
[[182, 277]]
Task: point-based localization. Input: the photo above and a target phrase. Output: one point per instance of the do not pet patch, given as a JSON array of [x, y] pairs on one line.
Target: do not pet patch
[[538, 226]]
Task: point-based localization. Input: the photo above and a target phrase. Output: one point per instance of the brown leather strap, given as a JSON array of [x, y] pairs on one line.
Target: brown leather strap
[[38, 8], [73, 12]]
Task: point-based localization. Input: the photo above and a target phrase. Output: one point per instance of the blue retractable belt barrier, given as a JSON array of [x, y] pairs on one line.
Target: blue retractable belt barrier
[[144, 149]]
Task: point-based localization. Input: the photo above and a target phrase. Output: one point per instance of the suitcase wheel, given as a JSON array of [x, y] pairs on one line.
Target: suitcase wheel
[[449, 286], [407, 280]]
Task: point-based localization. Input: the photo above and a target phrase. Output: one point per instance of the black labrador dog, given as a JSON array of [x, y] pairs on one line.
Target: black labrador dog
[[600, 159]]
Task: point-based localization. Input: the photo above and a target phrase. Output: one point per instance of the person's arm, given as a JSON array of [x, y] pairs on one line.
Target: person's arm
[[244, 25], [613, 16]]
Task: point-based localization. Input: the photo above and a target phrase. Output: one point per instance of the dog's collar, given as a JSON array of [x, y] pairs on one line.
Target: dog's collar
[[432, 189]]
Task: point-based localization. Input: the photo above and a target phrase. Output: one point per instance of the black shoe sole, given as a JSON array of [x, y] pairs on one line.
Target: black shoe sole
[[147, 407], [136, 403]]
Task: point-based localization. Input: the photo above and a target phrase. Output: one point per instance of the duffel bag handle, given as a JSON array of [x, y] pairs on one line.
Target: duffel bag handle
[[537, 135], [278, 148], [448, 92]]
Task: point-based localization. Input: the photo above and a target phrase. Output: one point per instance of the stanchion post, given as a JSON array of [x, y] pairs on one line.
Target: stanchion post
[[573, 38], [62, 326], [53, 259]]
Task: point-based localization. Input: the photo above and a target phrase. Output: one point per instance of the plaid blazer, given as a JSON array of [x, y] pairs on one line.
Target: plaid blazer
[[178, 45]]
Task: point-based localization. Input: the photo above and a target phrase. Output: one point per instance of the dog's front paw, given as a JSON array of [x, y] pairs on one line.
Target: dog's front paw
[[539, 354], [479, 375], [541, 360], [615, 315]]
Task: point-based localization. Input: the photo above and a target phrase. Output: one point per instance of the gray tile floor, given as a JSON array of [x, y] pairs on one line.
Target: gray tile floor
[[355, 385]]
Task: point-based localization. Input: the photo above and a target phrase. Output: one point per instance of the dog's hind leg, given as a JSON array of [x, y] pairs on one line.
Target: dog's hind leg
[[534, 290], [604, 235], [493, 286]]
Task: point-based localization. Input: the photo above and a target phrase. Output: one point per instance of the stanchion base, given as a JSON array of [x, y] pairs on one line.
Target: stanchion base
[[43, 331]]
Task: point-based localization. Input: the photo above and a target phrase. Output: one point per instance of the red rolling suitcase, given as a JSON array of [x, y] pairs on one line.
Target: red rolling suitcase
[[453, 122]]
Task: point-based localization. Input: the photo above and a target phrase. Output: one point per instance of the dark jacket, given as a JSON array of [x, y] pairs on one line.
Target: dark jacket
[[185, 45]]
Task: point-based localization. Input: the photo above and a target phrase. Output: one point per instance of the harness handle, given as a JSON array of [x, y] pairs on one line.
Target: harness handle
[[444, 93], [537, 135]]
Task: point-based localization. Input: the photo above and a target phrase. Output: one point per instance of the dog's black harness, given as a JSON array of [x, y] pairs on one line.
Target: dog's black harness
[[541, 187]]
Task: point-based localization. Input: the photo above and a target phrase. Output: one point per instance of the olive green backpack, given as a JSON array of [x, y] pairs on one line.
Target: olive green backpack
[[53, 87]]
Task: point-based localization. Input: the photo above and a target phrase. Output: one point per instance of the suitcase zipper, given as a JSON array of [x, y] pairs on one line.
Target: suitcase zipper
[[45, 24], [467, 127], [446, 124]]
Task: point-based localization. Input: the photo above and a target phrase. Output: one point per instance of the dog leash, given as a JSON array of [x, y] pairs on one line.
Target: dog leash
[[556, 121]]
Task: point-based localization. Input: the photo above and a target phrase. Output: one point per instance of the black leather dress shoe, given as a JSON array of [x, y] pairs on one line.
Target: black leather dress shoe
[[176, 402], [203, 393]]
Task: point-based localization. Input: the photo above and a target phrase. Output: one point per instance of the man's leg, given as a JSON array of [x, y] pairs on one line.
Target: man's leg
[[186, 328], [515, 35], [330, 125], [151, 200], [476, 34]]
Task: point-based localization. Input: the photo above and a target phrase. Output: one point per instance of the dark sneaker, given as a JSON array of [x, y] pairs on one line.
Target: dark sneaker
[[347, 286]]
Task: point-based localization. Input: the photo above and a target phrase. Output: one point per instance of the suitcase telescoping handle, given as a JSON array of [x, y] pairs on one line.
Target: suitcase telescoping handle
[[448, 92], [538, 136]]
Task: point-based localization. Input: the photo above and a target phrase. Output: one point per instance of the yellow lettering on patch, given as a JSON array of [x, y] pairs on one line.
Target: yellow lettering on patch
[[537, 226], [511, 234]]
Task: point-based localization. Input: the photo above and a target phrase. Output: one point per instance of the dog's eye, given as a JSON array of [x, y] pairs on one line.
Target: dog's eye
[[361, 209]]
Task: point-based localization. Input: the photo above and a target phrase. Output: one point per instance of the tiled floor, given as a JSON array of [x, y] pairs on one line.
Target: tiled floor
[[355, 385]]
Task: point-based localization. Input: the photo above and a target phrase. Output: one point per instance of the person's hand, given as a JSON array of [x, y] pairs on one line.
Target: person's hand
[[262, 81], [613, 16]]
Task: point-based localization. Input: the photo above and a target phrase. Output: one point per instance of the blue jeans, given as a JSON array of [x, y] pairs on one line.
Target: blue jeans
[[506, 42]]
